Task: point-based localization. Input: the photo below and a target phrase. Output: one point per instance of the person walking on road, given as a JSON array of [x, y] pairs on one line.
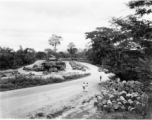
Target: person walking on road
[[83, 87], [100, 78], [86, 87]]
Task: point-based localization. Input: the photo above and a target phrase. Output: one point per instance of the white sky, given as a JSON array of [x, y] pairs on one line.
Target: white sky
[[31, 23]]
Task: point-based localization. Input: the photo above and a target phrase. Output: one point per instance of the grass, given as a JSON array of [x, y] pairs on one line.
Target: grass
[[25, 82], [53, 114]]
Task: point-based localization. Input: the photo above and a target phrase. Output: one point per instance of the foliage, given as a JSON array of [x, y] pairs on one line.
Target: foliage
[[41, 55], [22, 81], [141, 6], [81, 55], [54, 41], [125, 49], [11, 59], [76, 66], [72, 49]]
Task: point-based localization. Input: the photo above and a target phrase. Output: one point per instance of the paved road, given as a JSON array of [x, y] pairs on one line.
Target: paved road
[[18, 103]]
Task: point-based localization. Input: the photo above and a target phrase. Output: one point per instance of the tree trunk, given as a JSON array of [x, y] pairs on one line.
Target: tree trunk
[[55, 48]]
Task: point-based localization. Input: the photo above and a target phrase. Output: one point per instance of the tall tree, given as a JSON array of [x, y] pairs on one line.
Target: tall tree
[[72, 49], [126, 47], [54, 41]]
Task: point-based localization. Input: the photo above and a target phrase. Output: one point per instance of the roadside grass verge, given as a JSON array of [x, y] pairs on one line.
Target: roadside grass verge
[[51, 114], [25, 82], [63, 109]]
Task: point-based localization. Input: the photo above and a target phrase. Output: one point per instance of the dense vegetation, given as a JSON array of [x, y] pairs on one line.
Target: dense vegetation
[[25, 82], [10, 59], [126, 48]]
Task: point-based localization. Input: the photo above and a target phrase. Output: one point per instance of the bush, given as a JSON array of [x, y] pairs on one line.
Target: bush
[[6, 86], [76, 66], [24, 81]]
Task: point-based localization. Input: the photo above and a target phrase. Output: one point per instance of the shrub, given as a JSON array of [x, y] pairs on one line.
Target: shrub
[[24, 81], [6, 86], [76, 66]]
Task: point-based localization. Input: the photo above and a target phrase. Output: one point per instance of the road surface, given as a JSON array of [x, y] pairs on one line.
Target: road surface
[[19, 103]]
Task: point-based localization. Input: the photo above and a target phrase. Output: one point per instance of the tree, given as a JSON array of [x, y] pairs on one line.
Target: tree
[[102, 41], [61, 54], [40, 55], [81, 54], [72, 49], [141, 7], [54, 41], [12, 60], [6, 58], [126, 48]]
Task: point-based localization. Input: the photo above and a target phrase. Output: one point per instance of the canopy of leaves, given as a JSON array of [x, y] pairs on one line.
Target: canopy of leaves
[[126, 48], [11, 59], [55, 40], [72, 49], [142, 6]]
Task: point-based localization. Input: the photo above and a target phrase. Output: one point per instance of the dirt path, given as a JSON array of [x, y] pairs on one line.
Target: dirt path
[[19, 103]]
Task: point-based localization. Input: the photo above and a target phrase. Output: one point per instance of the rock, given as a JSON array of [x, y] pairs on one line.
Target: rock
[[124, 102], [100, 106], [111, 96], [109, 103], [112, 110], [118, 80], [96, 103], [119, 103], [127, 105], [123, 93], [130, 101], [129, 108], [49, 116], [106, 96], [134, 98], [115, 106], [40, 114], [124, 81], [128, 96], [118, 100], [116, 96], [96, 95], [138, 98], [105, 107], [104, 102], [144, 98], [132, 109], [139, 90], [123, 108], [122, 98], [99, 97], [131, 90], [127, 89]]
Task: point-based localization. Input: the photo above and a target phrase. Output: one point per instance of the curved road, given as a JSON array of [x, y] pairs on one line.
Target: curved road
[[18, 103]]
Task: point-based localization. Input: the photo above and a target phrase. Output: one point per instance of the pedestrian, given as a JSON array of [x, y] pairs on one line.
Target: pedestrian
[[100, 78], [83, 86], [86, 87]]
